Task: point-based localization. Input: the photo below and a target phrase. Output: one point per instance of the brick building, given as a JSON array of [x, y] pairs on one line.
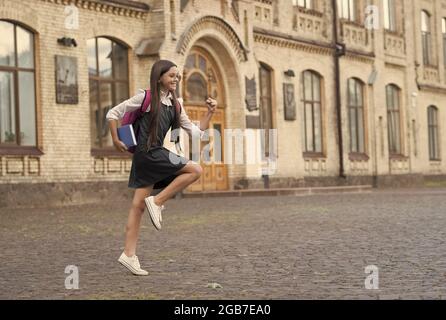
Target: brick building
[[355, 91]]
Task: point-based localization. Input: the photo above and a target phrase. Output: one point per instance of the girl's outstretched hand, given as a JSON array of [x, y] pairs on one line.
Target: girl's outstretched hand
[[120, 146], [211, 104]]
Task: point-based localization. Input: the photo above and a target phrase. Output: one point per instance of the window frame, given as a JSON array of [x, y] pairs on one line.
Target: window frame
[[102, 150], [15, 148], [390, 15], [426, 39], [396, 93], [266, 113], [443, 30], [433, 134], [313, 151], [359, 105], [350, 7], [307, 4]]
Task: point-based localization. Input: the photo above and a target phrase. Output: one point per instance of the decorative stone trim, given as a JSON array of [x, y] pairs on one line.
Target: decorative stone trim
[[111, 165], [14, 166], [432, 88], [125, 8], [290, 42], [394, 45], [360, 56], [282, 40], [359, 167], [435, 166], [315, 166], [308, 22], [215, 24], [356, 37], [311, 12], [431, 74], [269, 2], [399, 165]]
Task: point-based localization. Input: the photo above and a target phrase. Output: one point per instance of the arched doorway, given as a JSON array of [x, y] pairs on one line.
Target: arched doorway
[[202, 78]]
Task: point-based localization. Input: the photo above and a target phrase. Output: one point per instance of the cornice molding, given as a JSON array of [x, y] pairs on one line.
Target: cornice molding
[[290, 42], [125, 8], [283, 40], [432, 88]]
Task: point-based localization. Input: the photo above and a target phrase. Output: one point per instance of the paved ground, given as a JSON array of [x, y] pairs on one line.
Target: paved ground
[[283, 247]]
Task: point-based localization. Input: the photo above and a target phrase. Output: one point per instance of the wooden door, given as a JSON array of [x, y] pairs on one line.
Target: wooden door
[[202, 79], [211, 156]]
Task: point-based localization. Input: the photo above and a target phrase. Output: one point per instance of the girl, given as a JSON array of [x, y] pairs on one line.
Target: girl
[[152, 165]]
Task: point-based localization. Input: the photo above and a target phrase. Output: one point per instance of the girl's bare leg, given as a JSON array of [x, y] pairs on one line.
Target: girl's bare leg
[[190, 173], [134, 220]]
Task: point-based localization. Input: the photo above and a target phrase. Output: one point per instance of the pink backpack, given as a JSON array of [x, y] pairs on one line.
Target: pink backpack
[[130, 117]]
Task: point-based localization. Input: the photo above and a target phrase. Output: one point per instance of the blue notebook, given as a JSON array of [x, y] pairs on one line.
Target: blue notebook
[[127, 135]]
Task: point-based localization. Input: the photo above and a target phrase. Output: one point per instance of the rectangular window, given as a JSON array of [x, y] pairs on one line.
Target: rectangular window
[[393, 119], [312, 109], [7, 108], [356, 116], [266, 104], [25, 48], [390, 15], [347, 9], [434, 149], [308, 4], [426, 38], [26, 109], [443, 27]]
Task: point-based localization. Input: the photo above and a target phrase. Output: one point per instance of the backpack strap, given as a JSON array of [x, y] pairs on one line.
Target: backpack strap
[[146, 101], [176, 137]]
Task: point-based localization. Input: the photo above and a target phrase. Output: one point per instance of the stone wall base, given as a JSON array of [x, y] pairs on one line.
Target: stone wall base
[[60, 194], [385, 181]]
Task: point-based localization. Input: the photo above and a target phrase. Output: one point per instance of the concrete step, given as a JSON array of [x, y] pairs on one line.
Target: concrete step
[[279, 191]]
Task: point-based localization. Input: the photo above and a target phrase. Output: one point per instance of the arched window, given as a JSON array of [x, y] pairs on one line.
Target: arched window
[[432, 124], [426, 38], [393, 118], [17, 86], [109, 85], [312, 105], [356, 115]]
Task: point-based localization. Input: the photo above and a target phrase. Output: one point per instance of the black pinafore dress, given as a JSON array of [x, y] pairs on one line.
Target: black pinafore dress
[[154, 165]]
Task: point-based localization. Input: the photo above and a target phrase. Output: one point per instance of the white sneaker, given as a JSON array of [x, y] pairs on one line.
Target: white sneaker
[[154, 212], [132, 263]]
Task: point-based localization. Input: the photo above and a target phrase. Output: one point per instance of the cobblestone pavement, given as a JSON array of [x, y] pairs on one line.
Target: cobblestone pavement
[[286, 247]]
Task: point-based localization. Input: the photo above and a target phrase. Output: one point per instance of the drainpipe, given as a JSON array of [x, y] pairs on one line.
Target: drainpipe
[[339, 51]]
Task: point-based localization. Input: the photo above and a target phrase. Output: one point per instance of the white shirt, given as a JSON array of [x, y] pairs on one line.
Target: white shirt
[[134, 103]]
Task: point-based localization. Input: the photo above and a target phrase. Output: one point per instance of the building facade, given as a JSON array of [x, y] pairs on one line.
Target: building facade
[[355, 91]]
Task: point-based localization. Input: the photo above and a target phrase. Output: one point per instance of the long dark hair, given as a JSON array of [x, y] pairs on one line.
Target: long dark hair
[[158, 69]]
